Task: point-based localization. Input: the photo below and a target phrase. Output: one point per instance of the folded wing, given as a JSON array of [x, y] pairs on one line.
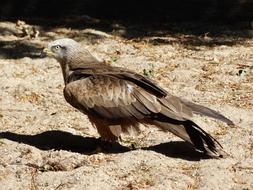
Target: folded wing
[[122, 104]]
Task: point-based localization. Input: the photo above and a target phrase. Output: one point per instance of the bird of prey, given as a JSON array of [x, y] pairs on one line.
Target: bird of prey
[[117, 100]]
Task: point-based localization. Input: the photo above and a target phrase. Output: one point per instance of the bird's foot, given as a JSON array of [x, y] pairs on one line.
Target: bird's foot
[[128, 142]]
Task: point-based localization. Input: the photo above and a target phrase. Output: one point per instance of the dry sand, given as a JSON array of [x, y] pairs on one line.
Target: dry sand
[[46, 144]]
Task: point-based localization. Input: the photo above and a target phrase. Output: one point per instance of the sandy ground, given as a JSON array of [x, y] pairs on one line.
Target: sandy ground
[[46, 144]]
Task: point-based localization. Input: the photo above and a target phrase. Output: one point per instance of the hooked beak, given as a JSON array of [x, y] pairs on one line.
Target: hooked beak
[[47, 52]]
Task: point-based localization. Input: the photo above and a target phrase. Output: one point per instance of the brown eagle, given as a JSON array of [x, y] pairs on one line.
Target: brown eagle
[[117, 100]]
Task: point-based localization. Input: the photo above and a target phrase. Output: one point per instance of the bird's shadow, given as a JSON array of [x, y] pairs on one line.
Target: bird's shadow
[[60, 140]]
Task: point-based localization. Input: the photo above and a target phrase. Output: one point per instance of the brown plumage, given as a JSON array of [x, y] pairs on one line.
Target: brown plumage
[[117, 100]]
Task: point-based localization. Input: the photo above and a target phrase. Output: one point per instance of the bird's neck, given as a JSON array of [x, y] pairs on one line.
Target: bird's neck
[[65, 72], [82, 61]]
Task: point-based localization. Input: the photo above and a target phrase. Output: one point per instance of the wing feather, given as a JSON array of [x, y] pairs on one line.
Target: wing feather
[[112, 98]]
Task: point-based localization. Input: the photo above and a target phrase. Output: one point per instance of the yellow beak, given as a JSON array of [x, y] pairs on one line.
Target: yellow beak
[[48, 52]]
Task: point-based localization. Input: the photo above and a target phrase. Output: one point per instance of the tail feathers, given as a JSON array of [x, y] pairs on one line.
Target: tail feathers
[[202, 110], [192, 133]]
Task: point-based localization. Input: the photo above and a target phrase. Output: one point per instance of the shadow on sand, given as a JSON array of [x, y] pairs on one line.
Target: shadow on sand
[[60, 140]]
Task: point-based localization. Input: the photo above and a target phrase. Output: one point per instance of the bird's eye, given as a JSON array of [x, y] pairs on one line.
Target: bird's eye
[[57, 47]]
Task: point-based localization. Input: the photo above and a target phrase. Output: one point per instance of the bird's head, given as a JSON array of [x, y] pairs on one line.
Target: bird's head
[[61, 49], [69, 53]]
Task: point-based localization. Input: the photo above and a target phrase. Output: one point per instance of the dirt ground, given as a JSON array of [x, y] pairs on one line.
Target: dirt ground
[[47, 144]]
